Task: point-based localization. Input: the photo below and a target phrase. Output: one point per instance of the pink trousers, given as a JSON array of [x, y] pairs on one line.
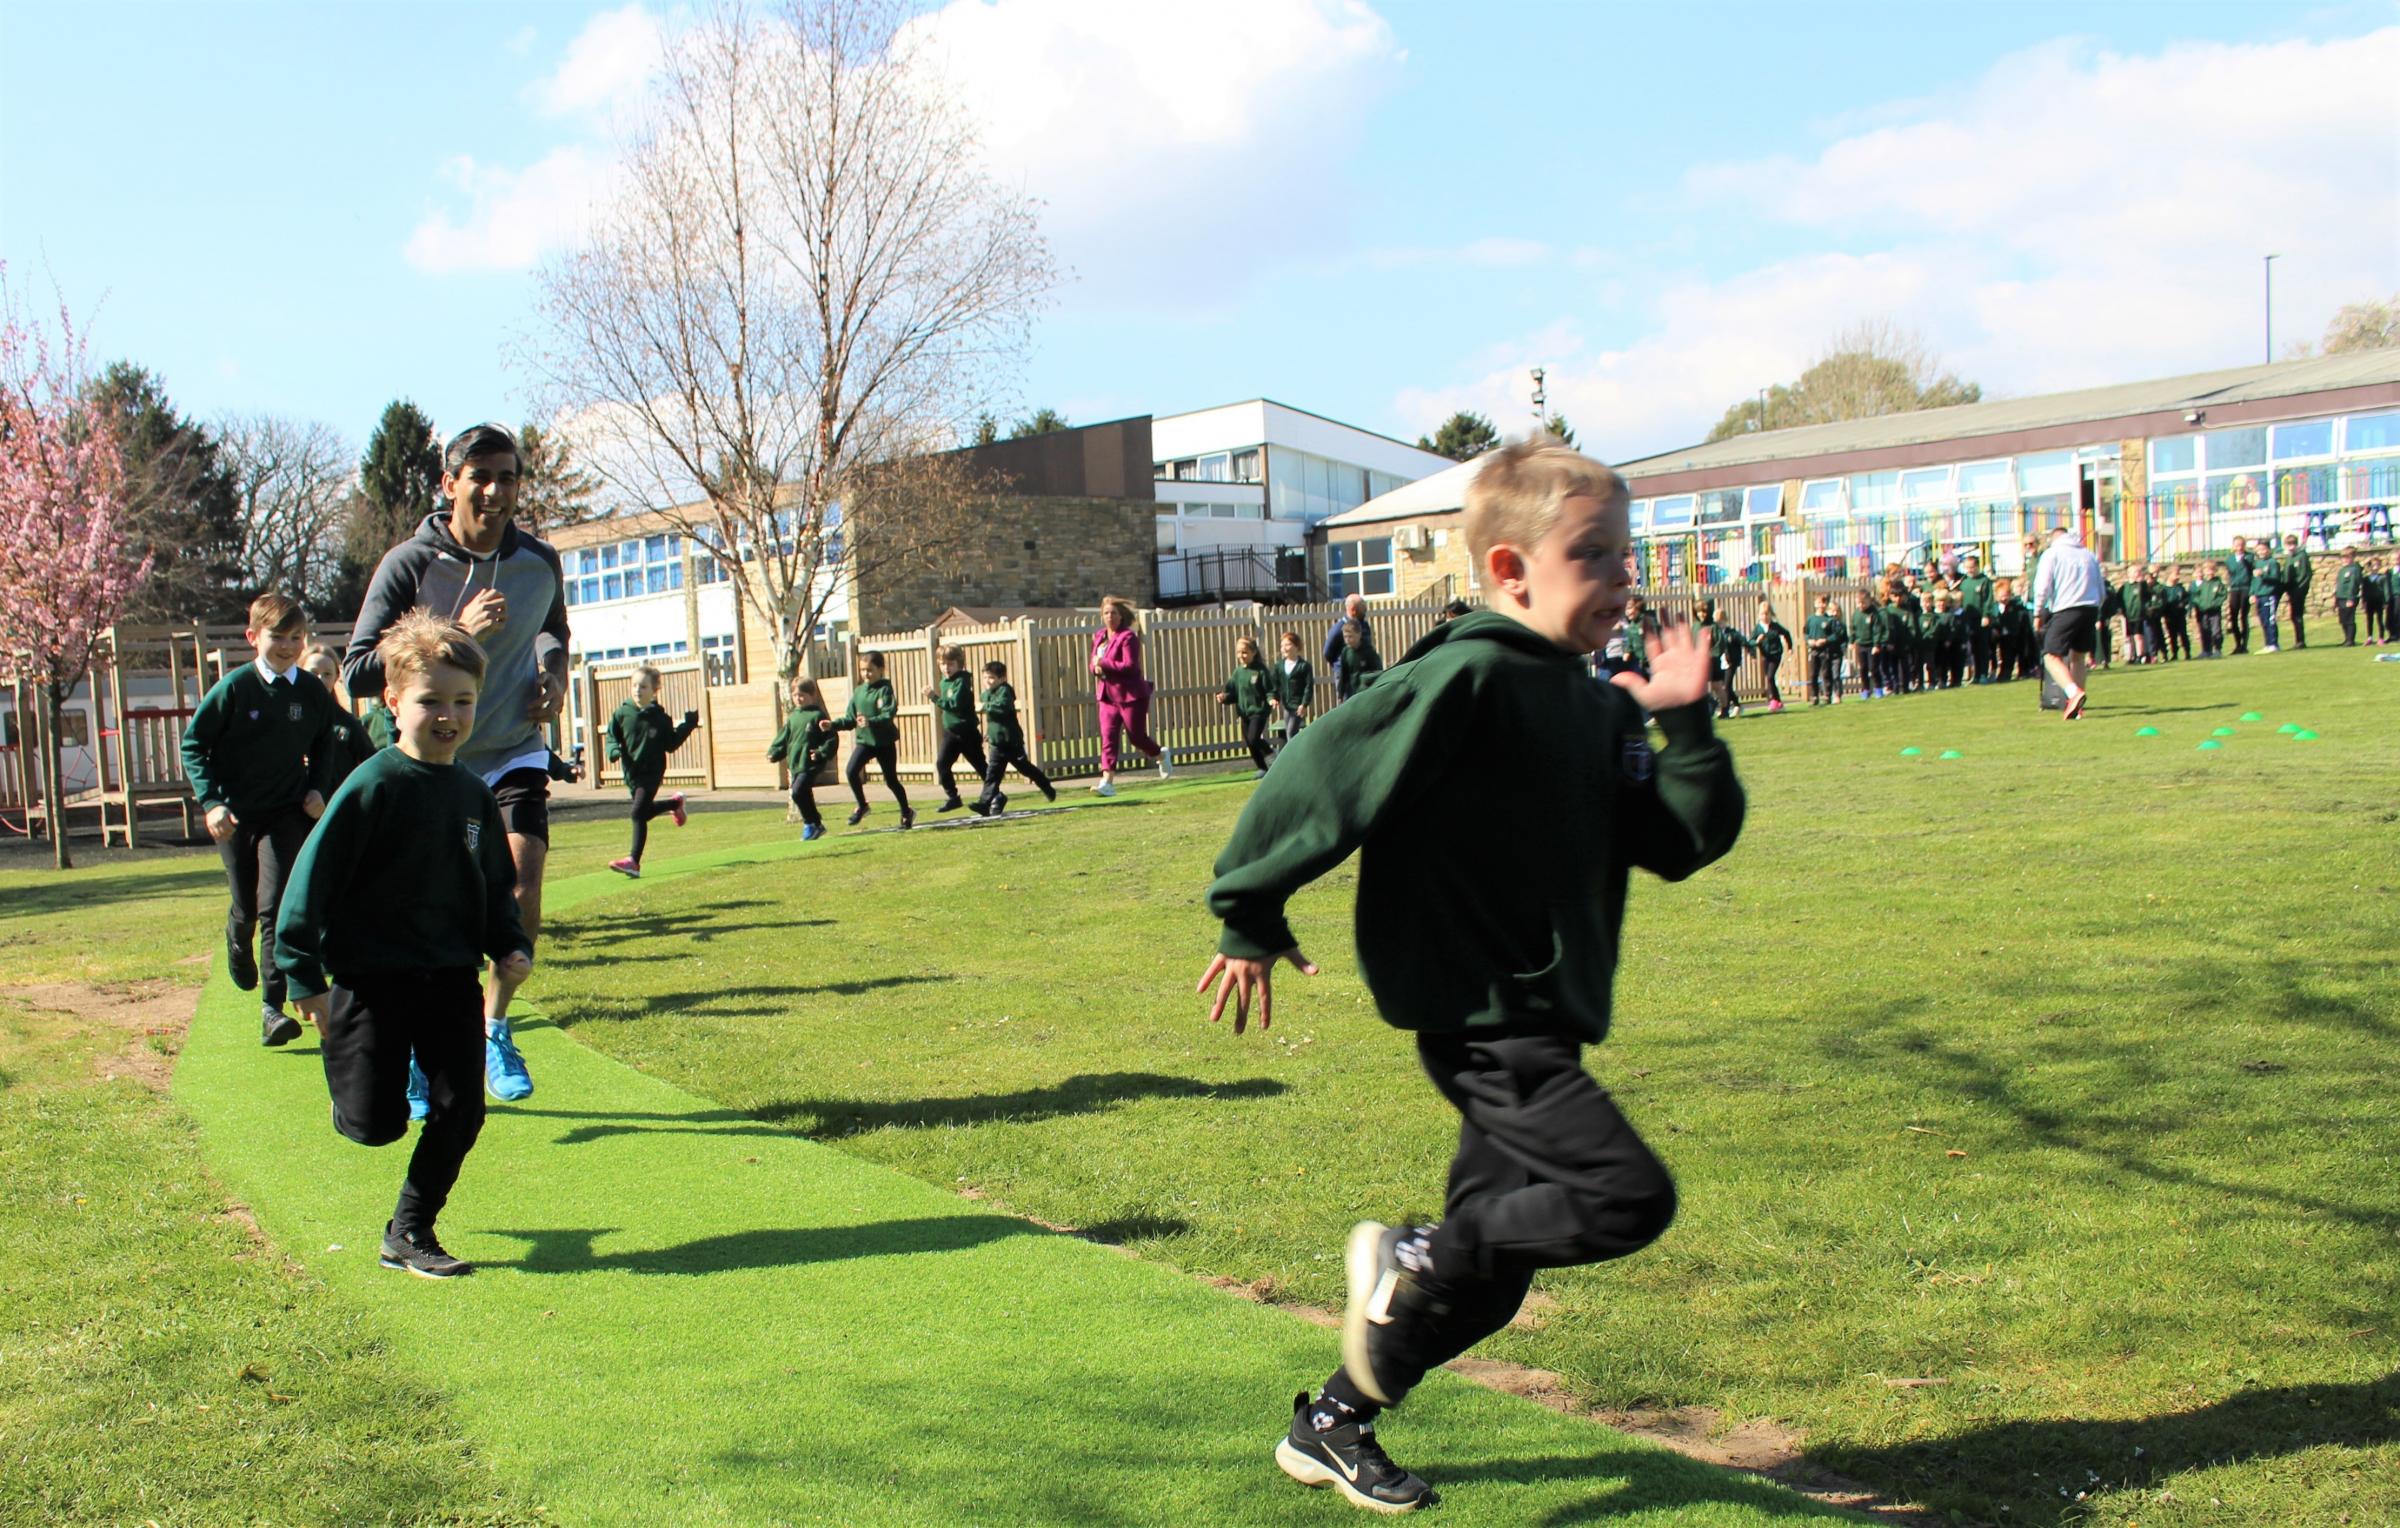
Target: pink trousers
[[1134, 717]]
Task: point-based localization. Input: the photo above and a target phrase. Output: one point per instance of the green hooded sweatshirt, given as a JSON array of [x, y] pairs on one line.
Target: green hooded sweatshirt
[[954, 702], [1477, 907], [802, 745]]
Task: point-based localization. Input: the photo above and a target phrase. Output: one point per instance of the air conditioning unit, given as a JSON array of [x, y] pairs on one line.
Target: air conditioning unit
[[1411, 538]]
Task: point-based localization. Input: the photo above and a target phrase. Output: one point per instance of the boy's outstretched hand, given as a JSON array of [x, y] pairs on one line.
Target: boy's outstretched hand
[[1238, 977], [1678, 671], [514, 966]]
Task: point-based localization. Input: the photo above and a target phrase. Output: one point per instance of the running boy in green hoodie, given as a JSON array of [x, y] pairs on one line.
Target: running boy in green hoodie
[[1487, 925], [401, 893], [962, 735]]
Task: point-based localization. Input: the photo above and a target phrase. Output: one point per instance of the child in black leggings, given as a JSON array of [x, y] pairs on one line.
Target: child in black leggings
[[873, 714], [641, 735], [805, 748]]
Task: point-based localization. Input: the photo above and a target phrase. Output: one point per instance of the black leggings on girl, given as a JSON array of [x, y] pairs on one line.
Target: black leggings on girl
[[887, 760], [646, 805]]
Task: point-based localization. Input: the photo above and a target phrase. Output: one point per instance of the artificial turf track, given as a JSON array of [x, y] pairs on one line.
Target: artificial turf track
[[684, 1315]]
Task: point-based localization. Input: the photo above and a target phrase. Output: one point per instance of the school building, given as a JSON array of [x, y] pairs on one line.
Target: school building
[[2167, 469]]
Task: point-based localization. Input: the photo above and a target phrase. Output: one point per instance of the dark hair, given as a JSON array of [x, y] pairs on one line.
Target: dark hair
[[1457, 608], [476, 440], [870, 655], [996, 667]]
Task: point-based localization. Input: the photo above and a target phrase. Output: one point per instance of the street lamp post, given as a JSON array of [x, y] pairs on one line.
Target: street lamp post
[[2270, 267]]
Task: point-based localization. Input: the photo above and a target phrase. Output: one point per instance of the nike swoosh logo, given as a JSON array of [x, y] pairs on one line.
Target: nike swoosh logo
[[1343, 1465]]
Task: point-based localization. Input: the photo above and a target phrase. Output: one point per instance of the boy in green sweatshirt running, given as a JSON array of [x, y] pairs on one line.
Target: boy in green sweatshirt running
[[962, 734], [873, 713], [640, 736], [259, 753], [403, 890], [1487, 925]]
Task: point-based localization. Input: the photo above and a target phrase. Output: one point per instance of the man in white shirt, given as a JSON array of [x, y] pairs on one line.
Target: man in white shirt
[[2067, 590]]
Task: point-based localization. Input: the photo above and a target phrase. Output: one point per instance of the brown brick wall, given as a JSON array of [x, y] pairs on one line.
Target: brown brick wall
[[1042, 552]]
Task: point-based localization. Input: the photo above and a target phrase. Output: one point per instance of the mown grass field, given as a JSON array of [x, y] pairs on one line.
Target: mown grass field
[[2055, 1077]]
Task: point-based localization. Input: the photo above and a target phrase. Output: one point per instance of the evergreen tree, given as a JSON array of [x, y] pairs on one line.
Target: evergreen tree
[[1043, 421], [551, 489], [1463, 437], [399, 484], [1557, 425], [987, 430], [180, 507]]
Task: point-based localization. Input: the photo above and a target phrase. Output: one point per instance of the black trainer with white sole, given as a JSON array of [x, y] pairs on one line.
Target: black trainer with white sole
[[275, 1027], [240, 964], [418, 1253], [1348, 1459]]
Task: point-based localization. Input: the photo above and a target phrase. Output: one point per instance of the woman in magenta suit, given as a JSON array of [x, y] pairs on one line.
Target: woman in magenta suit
[[1124, 692]]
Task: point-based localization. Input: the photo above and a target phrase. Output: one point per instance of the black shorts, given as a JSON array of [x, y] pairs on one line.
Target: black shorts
[[2070, 631], [524, 797]]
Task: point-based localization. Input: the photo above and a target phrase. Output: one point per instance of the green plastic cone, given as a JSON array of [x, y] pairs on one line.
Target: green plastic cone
[[1952, 753], [2222, 732], [2288, 728], [2212, 743], [1910, 753], [2145, 732], [2304, 736], [2252, 716]]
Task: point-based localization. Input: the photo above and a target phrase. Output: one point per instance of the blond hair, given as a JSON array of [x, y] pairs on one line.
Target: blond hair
[[805, 688], [421, 641], [1513, 498], [955, 651], [1117, 602], [647, 671]]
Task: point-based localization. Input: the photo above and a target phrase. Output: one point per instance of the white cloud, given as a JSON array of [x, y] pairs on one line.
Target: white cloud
[[2074, 218], [1494, 253], [1176, 147], [608, 63], [513, 217]]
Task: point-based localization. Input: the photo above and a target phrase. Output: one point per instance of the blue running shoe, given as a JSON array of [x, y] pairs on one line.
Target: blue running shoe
[[503, 1068], [418, 1104]]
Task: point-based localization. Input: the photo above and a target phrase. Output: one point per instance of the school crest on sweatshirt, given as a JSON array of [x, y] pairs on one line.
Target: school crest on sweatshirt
[[474, 836], [295, 712]]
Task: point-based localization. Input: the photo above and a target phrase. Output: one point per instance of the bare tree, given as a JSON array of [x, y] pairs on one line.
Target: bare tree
[[2367, 324], [806, 279], [292, 480], [1874, 367]]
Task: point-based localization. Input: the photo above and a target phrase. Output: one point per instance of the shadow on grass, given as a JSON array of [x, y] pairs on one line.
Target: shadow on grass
[[820, 1119], [572, 1250], [66, 891], [2302, 993], [1639, 1480], [2041, 1456], [696, 924], [766, 997], [1090, 1093]]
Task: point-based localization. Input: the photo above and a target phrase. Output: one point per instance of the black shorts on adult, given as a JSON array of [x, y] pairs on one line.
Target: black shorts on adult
[[2070, 631], [524, 797]]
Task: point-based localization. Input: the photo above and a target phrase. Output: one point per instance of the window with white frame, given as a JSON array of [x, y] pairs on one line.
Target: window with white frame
[[1763, 503], [1359, 567], [1823, 496]]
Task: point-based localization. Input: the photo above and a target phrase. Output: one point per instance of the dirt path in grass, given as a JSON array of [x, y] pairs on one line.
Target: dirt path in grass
[[152, 1018]]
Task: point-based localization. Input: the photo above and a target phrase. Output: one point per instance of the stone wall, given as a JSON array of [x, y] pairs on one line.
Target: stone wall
[[1041, 552]]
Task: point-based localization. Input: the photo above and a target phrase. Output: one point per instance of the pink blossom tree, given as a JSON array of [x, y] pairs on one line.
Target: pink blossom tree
[[65, 570]]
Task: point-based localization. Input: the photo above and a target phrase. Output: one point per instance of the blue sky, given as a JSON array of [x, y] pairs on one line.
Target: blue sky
[[1375, 209]]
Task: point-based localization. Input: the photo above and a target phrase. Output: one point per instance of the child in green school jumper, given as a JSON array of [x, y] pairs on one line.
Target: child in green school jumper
[[258, 753], [640, 736], [1769, 638], [1866, 640], [873, 713], [2175, 614], [350, 744], [805, 748], [1725, 647], [1248, 690], [402, 892], [2208, 609], [1488, 926], [1004, 740], [1355, 662], [954, 712], [1291, 690], [2013, 656], [1824, 633], [2348, 582]]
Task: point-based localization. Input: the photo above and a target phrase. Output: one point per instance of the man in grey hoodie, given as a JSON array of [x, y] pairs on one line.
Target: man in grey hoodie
[[472, 564], [2068, 588]]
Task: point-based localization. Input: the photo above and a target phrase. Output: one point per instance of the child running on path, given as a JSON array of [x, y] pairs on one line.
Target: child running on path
[[258, 753], [1005, 741], [806, 748], [641, 734], [403, 890], [351, 745], [873, 714], [1248, 689], [954, 710], [1488, 925]]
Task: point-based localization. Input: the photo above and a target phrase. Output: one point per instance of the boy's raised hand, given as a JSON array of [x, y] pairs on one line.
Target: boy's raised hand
[[221, 823], [1678, 671], [1237, 977]]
